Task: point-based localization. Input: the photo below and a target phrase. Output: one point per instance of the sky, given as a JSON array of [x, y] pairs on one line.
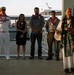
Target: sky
[[16, 7]]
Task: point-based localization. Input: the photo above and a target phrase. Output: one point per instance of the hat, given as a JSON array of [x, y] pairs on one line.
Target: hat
[[3, 8], [57, 36]]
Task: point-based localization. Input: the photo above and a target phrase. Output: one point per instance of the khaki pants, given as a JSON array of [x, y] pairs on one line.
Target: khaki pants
[[50, 40]]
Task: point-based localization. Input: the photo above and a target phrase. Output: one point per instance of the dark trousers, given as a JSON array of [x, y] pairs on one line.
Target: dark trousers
[[39, 41], [50, 40]]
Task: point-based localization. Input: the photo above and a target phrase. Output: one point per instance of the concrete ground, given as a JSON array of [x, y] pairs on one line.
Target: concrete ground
[[31, 67], [27, 66]]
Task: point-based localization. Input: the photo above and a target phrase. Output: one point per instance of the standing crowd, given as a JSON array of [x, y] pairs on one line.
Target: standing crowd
[[55, 28]]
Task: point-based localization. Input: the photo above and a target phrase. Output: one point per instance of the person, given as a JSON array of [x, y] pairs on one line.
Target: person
[[36, 24], [4, 28], [66, 27], [51, 27], [21, 27]]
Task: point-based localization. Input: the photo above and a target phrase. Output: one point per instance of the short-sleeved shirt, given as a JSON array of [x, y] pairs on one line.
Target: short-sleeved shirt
[[4, 23], [36, 22]]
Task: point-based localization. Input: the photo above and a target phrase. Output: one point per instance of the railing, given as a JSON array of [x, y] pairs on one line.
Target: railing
[[12, 32]]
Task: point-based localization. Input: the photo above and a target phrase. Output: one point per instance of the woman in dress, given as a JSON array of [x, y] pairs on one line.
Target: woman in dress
[[21, 27]]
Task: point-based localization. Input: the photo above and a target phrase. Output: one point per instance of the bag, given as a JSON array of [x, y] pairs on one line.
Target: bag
[[57, 36]]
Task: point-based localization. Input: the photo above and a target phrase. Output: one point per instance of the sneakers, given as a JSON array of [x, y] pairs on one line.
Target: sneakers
[[7, 57]]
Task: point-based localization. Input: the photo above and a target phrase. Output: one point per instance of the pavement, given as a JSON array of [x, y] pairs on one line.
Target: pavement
[[27, 66]]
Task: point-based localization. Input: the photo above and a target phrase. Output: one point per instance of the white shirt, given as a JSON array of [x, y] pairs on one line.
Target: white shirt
[[59, 26], [4, 23]]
